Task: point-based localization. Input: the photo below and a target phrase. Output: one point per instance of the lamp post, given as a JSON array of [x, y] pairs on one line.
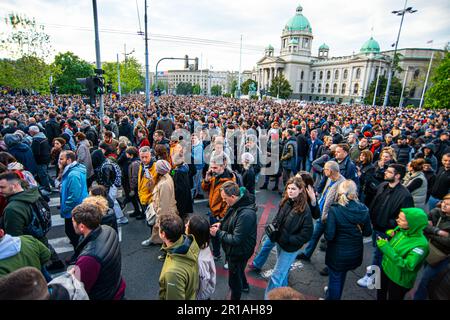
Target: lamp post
[[391, 71]]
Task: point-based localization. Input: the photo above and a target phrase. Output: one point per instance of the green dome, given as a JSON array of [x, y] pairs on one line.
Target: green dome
[[324, 47], [370, 45], [298, 22], [269, 47]]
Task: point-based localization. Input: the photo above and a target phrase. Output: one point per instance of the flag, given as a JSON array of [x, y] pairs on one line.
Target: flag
[[431, 41]]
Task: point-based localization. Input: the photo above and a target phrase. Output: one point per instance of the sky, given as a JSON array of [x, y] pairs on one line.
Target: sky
[[217, 26]]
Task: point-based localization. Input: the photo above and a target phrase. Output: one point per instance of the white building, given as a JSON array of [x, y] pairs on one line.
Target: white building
[[338, 79]]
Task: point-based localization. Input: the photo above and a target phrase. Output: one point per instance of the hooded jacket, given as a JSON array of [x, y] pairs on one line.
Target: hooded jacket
[[21, 152], [19, 252], [84, 157], [404, 253], [73, 188], [179, 278], [217, 206], [238, 228], [346, 226], [183, 194], [41, 148], [17, 214]]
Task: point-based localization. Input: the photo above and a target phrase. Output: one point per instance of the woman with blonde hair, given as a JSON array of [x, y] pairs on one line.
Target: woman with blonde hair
[[347, 223]]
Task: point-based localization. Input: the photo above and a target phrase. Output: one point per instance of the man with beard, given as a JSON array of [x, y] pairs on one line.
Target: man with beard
[[390, 198]]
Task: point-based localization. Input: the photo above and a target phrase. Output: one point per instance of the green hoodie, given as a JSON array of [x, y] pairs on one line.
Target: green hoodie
[[404, 253], [179, 279], [18, 211]]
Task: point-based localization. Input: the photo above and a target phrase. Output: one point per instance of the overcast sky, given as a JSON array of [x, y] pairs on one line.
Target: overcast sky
[[343, 25]]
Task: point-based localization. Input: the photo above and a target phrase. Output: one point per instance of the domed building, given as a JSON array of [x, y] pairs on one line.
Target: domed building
[[322, 77]]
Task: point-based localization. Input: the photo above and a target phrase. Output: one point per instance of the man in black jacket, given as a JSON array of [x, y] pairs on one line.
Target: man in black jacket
[[302, 147], [237, 232], [41, 152], [441, 185], [126, 129], [52, 128], [390, 198]]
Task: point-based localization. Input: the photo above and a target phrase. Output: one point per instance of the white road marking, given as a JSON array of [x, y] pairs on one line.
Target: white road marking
[[120, 233], [57, 220], [61, 245]]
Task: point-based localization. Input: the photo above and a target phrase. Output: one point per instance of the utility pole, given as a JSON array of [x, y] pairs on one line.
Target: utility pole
[[99, 62], [400, 104], [240, 64], [147, 79], [376, 85], [118, 76], [50, 80], [426, 80]]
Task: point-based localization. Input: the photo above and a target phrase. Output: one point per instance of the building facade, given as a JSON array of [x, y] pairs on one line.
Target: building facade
[[335, 79]]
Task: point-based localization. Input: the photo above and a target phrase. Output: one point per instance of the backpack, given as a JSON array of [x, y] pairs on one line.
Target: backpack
[[110, 174], [41, 219], [238, 178], [73, 286]]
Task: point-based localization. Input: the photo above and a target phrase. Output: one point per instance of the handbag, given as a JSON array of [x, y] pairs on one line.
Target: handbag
[[150, 215], [436, 255], [273, 231]]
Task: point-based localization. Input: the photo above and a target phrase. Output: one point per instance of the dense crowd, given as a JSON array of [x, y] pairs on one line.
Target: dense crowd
[[343, 173]]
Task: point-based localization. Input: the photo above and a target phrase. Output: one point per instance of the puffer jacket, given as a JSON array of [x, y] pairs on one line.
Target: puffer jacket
[[346, 226], [404, 254], [431, 231], [217, 206], [238, 228], [145, 195]]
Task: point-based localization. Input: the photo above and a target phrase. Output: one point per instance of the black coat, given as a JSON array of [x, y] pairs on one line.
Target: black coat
[[386, 205], [126, 130], [296, 228], [183, 194], [52, 130], [248, 178], [344, 232], [238, 229]]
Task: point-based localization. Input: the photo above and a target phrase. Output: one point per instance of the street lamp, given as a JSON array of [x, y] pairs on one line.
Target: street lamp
[[391, 71]]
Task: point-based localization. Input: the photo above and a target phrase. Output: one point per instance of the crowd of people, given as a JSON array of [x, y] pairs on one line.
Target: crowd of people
[[343, 173]]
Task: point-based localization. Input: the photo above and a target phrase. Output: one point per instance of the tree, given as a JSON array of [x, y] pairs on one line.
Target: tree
[[196, 89], [234, 85], [395, 91], [161, 86], [184, 88], [437, 96], [246, 85], [25, 38], [216, 90], [70, 68], [131, 77], [280, 87]]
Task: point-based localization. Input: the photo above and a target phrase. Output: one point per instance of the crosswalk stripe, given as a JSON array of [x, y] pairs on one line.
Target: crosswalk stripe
[[61, 244], [57, 220]]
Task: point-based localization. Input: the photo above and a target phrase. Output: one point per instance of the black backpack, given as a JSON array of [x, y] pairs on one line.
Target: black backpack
[[41, 219]]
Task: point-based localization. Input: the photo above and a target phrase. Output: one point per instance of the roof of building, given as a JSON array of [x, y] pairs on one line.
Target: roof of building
[[298, 22], [370, 45], [324, 47], [269, 47]]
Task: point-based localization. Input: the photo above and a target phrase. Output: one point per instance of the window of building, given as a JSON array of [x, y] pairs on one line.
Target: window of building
[[416, 74], [306, 43], [344, 87], [328, 75], [301, 87], [412, 92], [301, 75], [321, 75], [314, 75], [319, 88], [336, 75], [358, 73], [335, 88], [312, 88], [327, 87], [356, 88], [345, 73]]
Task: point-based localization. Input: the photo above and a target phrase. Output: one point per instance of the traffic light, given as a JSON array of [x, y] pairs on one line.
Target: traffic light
[[88, 89], [109, 87], [99, 85]]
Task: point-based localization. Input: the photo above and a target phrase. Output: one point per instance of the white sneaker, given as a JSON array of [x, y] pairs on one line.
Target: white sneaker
[[123, 220], [364, 281], [146, 243], [325, 291], [225, 266]]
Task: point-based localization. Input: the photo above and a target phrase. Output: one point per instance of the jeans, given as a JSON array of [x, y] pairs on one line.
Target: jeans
[[264, 252], [308, 165], [300, 163], [432, 202], [429, 273], [286, 175], [113, 195], [197, 189], [236, 277], [336, 281], [377, 256], [319, 229], [280, 273], [42, 172], [215, 242]]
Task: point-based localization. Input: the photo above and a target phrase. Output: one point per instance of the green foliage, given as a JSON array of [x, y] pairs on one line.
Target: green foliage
[[227, 95], [437, 96], [70, 67], [216, 90], [184, 88], [280, 87], [161, 86], [196, 89], [131, 78], [246, 85], [25, 38], [254, 97], [234, 85], [395, 91]]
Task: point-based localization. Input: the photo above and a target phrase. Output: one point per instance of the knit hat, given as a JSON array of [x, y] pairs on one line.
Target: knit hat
[[11, 140], [162, 167]]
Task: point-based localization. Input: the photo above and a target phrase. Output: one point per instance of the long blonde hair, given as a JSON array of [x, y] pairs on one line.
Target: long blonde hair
[[346, 192]]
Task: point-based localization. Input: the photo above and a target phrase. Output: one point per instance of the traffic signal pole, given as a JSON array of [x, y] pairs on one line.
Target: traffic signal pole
[[99, 62], [147, 78]]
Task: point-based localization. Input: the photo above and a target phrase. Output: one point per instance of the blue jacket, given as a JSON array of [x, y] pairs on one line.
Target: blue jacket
[[344, 232], [197, 156], [346, 168], [24, 155], [315, 148], [73, 189]]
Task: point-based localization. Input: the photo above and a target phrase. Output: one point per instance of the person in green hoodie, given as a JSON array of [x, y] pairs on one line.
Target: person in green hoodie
[[179, 279], [403, 254]]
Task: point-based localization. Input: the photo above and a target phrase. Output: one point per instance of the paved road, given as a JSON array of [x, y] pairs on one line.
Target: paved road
[[141, 268]]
